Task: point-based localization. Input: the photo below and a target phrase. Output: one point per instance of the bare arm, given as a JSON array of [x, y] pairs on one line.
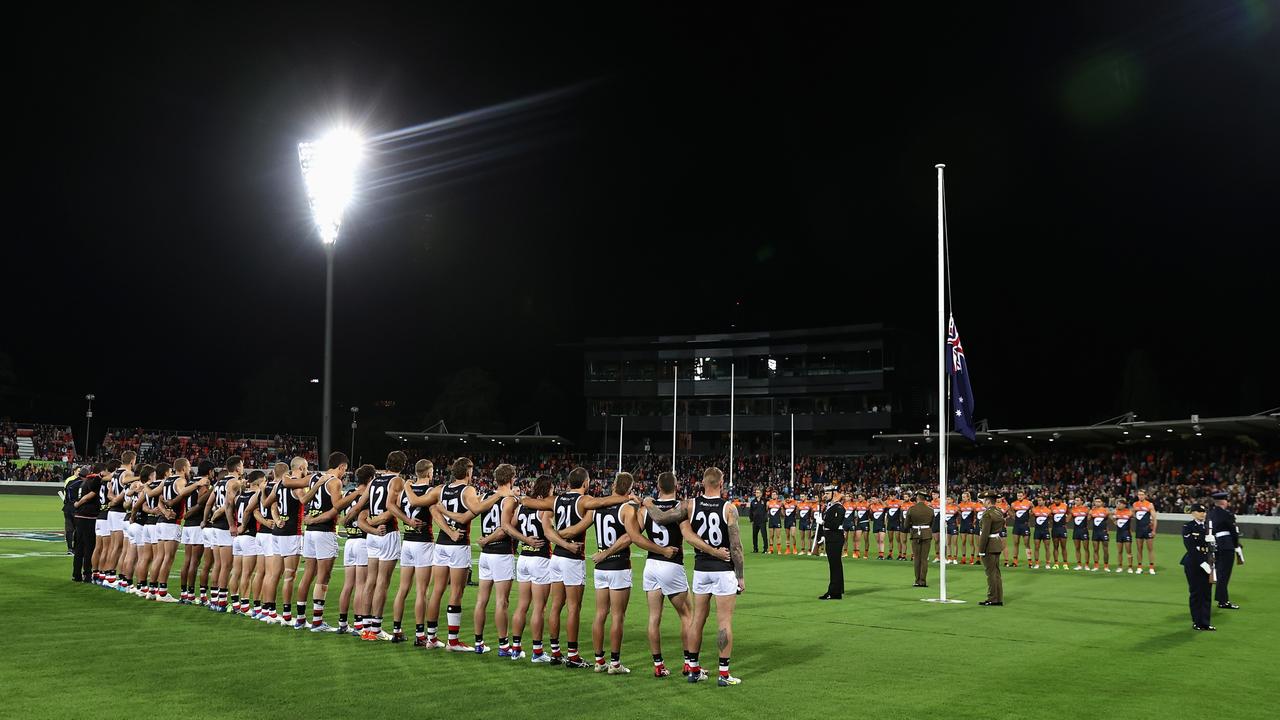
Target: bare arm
[[622, 543], [398, 490], [331, 513], [549, 527], [666, 517], [426, 499], [498, 532], [509, 526], [233, 489], [595, 503], [544, 503], [735, 543], [345, 501], [312, 489], [577, 530], [362, 522], [631, 521]]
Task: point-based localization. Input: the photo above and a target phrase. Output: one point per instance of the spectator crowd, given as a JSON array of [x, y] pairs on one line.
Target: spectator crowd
[[155, 446]]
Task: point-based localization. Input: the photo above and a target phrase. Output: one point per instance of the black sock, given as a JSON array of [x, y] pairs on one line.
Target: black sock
[[614, 658], [342, 618], [657, 658], [599, 657], [479, 639], [302, 611], [420, 630], [573, 649], [433, 628], [395, 626], [502, 642]]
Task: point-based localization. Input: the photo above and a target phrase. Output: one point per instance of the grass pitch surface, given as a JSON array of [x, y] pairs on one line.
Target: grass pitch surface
[[1120, 642]]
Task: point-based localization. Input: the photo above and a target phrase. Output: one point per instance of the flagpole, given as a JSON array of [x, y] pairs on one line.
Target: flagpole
[[731, 384], [792, 487], [675, 412], [622, 421]]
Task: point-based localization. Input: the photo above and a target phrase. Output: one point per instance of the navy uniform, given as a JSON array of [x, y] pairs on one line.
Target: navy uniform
[[1226, 539], [1194, 563]]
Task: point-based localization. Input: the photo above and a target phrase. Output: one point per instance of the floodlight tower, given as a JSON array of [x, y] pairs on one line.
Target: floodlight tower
[[329, 173]]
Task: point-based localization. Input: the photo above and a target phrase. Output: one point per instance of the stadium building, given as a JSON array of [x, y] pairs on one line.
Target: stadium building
[[842, 385]]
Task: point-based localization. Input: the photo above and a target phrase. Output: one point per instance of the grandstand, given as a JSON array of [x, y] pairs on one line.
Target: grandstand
[[36, 441], [256, 450]]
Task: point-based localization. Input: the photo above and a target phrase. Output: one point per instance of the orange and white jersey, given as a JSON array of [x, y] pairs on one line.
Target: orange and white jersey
[[1122, 517], [789, 508], [1059, 513], [1098, 516], [804, 509], [775, 507], [1143, 510], [1079, 514], [1041, 514], [1021, 508]]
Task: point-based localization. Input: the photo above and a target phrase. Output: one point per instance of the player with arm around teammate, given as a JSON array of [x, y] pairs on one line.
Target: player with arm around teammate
[[612, 576], [664, 575], [533, 572], [712, 529], [355, 556]]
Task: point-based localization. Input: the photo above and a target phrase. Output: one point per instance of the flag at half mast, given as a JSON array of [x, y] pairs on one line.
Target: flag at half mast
[[961, 392]]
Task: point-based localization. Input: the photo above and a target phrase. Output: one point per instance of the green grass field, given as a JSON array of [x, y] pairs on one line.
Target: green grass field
[[1122, 644]]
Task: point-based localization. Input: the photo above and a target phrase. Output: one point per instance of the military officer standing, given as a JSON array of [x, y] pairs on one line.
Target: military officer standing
[[919, 526], [1226, 541], [1196, 564], [833, 521], [990, 545]]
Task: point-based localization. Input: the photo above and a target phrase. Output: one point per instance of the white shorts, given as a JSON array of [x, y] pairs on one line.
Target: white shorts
[[721, 582], [135, 533], [665, 576], [355, 553], [416, 554], [384, 548], [245, 546], [498, 567], [568, 571], [115, 521], [613, 579], [534, 569], [221, 537], [100, 528], [320, 544], [192, 535], [149, 534], [267, 544], [457, 557], [288, 545], [168, 532]]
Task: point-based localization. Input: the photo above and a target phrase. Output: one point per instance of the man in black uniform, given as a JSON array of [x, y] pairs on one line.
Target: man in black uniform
[[759, 515], [1225, 541], [71, 493], [833, 521], [1196, 565]]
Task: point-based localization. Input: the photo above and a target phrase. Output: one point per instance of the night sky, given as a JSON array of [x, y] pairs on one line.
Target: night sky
[[1113, 174]]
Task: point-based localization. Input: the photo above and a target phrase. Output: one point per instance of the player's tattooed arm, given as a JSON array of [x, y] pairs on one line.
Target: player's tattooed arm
[[631, 521], [666, 517], [735, 542]]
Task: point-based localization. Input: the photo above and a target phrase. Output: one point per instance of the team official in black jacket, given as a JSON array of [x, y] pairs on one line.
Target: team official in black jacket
[[1226, 539], [759, 515], [1196, 565], [833, 521]]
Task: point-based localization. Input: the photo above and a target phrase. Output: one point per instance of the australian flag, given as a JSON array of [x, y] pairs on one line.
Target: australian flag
[[961, 392]]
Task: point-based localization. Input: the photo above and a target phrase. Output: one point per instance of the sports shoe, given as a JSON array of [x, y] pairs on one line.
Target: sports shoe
[[727, 680], [1152, 571], [697, 677], [619, 669], [355, 633], [299, 624], [661, 671], [1130, 571], [1094, 569], [1139, 571], [434, 644], [543, 658], [368, 635], [599, 667], [516, 654], [575, 663], [1035, 567], [556, 659], [458, 647], [265, 618], [1078, 567], [1108, 569], [166, 598], [324, 628], [481, 649], [286, 622], [397, 637], [383, 635]]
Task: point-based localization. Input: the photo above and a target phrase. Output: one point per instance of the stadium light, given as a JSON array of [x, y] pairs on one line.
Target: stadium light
[[88, 420], [329, 172]]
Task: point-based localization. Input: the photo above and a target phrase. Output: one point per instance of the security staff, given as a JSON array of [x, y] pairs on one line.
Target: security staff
[[758, 514], [1226, 539], [990, 545], [919, 526], [1196, 564], [833, 521]]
